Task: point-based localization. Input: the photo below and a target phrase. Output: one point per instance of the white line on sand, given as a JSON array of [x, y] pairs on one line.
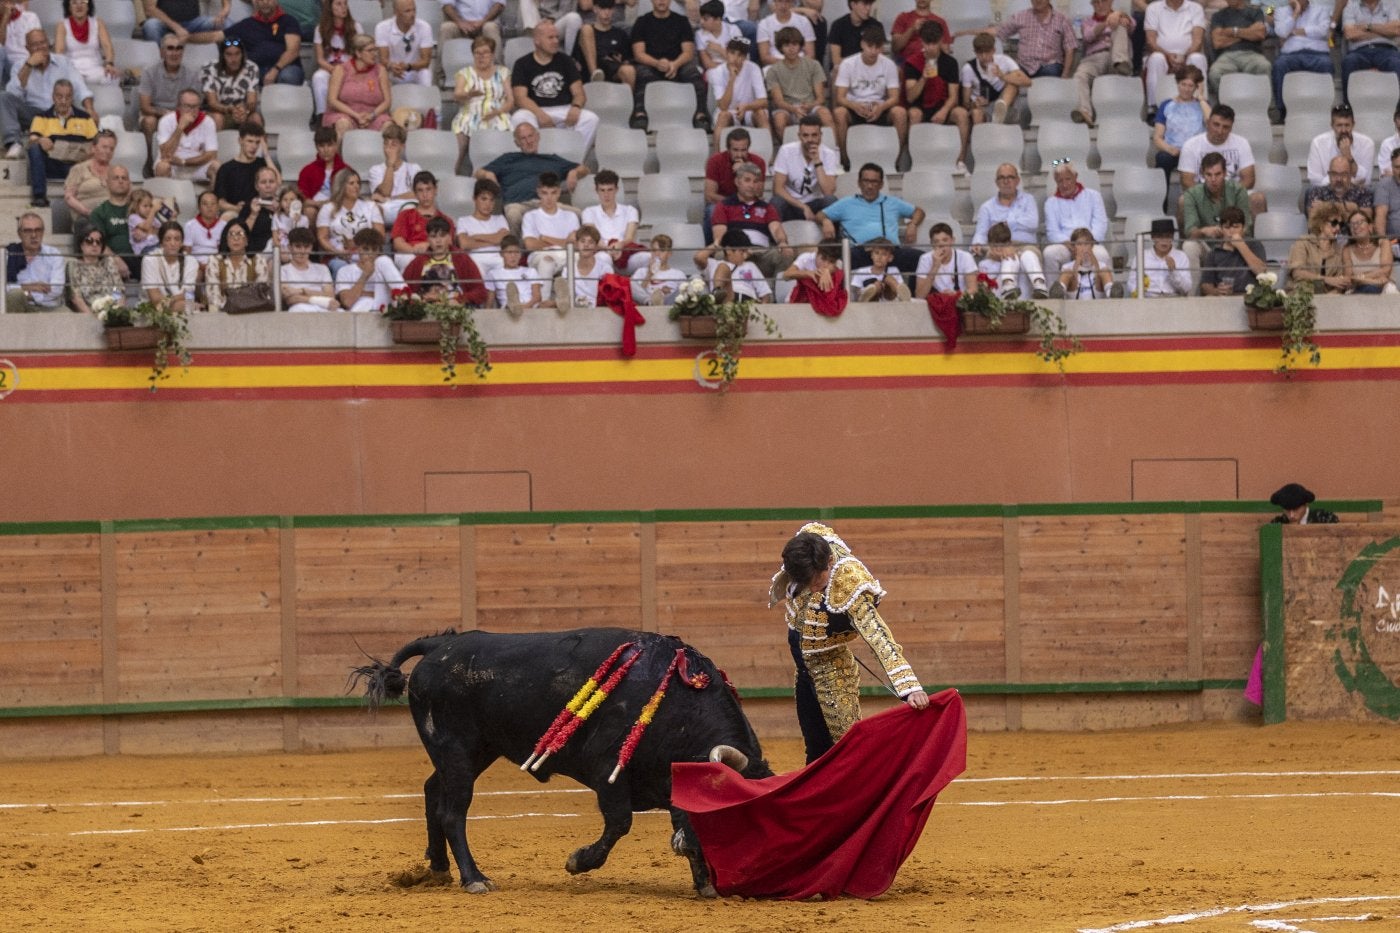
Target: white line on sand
[[1177, 919], [228, 826]]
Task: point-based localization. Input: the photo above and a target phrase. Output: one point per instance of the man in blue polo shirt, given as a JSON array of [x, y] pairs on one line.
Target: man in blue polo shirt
[[271, 40], [871, 214]]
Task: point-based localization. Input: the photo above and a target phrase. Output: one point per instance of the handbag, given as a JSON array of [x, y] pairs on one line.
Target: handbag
[[248, 299]]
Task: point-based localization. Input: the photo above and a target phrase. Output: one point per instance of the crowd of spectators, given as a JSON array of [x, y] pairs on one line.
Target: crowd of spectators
[[788, 78]]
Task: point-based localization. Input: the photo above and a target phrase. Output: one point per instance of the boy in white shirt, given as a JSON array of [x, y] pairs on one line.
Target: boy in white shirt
[[714, 35], [735, 276], [991, 81], [616, 224], [782, 17], [741, 99], [945, 270], [483, 230], [368, 283], [657, 283], [390, 182], [867, 90], [590, 265], [881, 280], [547, 229], [306, 285], [512, 285]]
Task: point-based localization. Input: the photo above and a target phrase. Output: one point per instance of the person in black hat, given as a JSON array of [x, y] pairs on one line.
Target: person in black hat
[[1295, 500], [1166, 272]]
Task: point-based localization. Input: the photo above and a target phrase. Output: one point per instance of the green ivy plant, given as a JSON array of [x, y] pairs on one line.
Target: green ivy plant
[[731, 324], [173, 327], [1299, 327], [457, 326], [1056, 344]]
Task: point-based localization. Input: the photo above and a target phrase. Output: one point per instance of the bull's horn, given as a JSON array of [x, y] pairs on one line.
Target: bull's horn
[[729, 755]]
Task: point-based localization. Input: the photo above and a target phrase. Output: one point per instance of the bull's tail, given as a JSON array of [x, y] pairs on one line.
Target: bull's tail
[[384, 680]]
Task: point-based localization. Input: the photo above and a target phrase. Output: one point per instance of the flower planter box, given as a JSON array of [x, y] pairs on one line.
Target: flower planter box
[[132, 338], [417, 331], [702, 326], [1013, 322], [1265, 318]]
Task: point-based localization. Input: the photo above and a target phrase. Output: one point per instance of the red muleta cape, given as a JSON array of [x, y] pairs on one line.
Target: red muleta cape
[[840, 826]]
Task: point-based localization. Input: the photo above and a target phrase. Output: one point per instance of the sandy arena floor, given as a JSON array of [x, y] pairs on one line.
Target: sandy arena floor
[[1046, 832]]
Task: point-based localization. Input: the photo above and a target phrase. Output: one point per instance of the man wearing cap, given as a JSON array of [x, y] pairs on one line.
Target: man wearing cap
[[1296, 502], [1235, 261], [1166, 272]]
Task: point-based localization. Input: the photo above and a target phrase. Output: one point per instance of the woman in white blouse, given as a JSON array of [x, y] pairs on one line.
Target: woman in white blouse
[[344, 215], [167, 274]]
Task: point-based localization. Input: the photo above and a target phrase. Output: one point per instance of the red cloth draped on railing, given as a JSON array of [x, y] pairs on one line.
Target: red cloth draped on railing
[[829, 303], [944, 309], [840, 826], [615, 291]]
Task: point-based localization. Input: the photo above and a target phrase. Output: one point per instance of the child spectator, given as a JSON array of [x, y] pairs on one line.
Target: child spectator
[[991, 81], [511, 284], [306, 285], [932, 89], [819, 280], [141, 222], [483, 231], [616, 224], [1083, 277], [946, 270], [289, 217], [796, 85], [735, 276], [714, 35], [1002, 263], [368, 281], [657, 283], [737, 85], [548, 228], [881, 280], [867, 90], [590, 265]]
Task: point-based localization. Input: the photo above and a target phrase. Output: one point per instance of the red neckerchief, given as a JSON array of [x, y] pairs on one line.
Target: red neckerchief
[[198, 119], [355, 66], [207, 226], [271, 18], [14, 14], [1078, 187], [80, 32]]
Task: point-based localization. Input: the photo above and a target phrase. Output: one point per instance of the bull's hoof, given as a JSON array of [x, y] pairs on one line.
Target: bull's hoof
[[584, 859], [708, 892], [484, 886], [571, 865]]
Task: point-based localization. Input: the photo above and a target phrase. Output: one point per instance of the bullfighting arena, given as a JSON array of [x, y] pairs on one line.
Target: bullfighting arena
[[1209, 827]]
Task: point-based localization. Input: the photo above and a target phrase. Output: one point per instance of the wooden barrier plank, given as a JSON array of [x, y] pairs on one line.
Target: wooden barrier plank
[[50, 619], [1229, 593], [379, 586], [198, 615], [1103, 598], [229, 733]]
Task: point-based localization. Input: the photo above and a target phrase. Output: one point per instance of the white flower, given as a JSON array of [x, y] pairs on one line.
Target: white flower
[[101, 305], [1267, 279], [1249, 290]]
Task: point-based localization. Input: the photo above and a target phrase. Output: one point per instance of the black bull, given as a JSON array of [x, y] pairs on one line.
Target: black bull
[[478, 696]]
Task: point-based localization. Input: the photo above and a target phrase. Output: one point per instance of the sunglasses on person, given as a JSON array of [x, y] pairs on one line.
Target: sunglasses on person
[[92, 240], [233, 43], [173, 48]]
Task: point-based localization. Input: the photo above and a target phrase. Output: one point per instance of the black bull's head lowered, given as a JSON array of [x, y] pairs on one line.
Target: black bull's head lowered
[[610, 708]]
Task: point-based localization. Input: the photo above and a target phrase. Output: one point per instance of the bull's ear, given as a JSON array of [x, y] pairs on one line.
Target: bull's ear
[[729, 755]]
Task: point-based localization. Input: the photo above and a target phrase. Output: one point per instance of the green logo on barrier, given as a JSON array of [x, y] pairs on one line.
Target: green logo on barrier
[[1367, 659]]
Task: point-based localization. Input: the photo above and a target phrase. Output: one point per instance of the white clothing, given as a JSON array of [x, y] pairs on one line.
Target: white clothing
[[379, 287], [404, 47], [1159, 281], [86, 57], [748, 86], [867, 83], [316, 277], [768, 28], [745, 280], [1324, 149], [485, 257], [498, 278], [283, 224], [866, 276], [537, 223], [1089, 285], [586, 285], [1316, 23], [344, 223], [799, 182], [586, 125], [170, 279], [1010, 273], [1388, 146], [1238, 155], [1174, 29], [727, 31], [402, 194], [472, 9], [15, 32], [203, 241], [949, 276], [667, 281], [199, 140], [1005, 65], [321, 80], [613, 230]]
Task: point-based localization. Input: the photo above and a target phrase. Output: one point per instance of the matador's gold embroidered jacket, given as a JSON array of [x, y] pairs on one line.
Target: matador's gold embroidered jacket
[[828, 621]]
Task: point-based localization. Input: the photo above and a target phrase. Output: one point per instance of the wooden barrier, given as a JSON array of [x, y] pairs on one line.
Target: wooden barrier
[[238, 634], [1332, 622]]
